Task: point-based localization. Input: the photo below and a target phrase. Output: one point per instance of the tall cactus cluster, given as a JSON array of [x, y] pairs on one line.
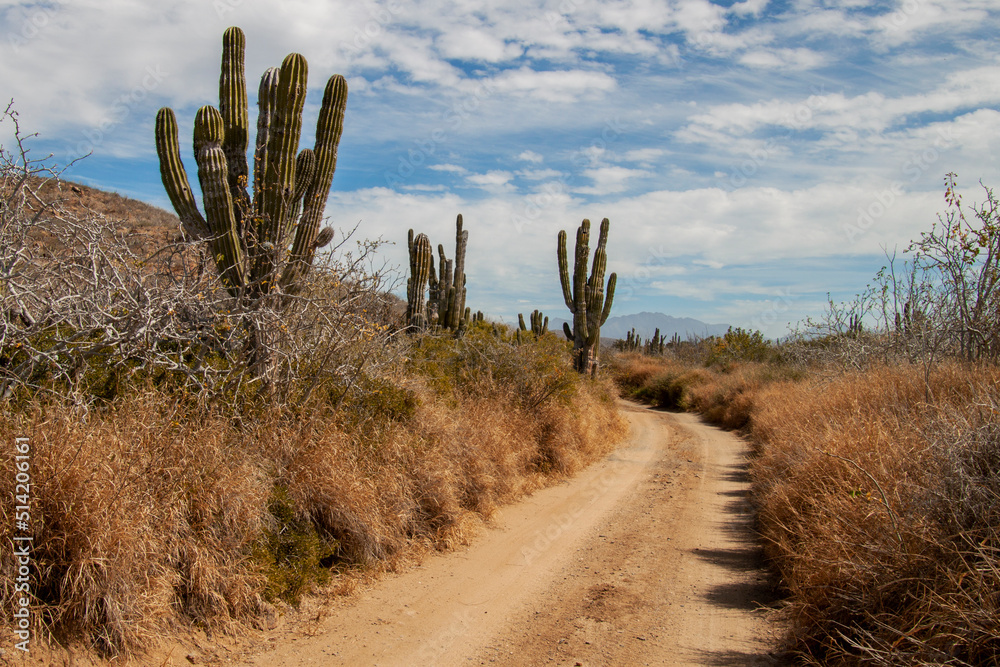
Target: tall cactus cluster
[[268, 241], [539, 323], [447, 289], [633, 343], [539, 327], [585, 295], [446, 306], [657, 344]]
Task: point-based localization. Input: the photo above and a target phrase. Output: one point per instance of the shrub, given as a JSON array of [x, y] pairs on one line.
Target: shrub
[[739, 345]]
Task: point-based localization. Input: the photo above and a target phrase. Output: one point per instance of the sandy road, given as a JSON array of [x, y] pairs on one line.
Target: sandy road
[[644, 558]]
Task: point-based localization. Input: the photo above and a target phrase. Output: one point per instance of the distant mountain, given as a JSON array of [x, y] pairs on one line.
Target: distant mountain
[[647, 323]]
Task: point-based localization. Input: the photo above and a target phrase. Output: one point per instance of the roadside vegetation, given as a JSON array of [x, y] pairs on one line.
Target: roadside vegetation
[[875, 433], [200, 460]]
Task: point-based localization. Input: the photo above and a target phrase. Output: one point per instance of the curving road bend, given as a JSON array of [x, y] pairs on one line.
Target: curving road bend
[[644, 558]]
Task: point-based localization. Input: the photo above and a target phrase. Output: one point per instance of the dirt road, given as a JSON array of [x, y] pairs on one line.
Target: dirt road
[[645, 558]]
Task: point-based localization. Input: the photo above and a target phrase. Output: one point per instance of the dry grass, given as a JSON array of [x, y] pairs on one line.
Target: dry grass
[[880, 510], [724, 394], [157, 512], [878, 497]]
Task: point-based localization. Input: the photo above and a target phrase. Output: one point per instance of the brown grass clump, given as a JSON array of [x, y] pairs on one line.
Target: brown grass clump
[[157, 512], [877, 494], [880, 510], [135, 514], [724, 394]]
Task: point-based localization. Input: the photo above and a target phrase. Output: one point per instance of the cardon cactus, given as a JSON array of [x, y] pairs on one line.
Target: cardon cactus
[[421, 265], [539, 326], [657, 343], [269, 240], [585, 296], [632, 341], [447, 287]]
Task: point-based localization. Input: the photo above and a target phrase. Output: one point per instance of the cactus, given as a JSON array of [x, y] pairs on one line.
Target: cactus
[[656, 344], [539, 323], [630, 343], [447, 287], [585, 297], [421, 263], [268, 241]]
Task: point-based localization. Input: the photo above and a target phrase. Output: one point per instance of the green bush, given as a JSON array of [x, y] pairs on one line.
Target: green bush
[[291, 553], [740, 345], [487, 360]]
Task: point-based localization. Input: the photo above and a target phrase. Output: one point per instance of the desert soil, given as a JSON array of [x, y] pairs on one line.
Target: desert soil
[[646, 558]]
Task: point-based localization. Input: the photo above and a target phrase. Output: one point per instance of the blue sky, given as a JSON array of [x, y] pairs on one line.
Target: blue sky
[[751, 156]]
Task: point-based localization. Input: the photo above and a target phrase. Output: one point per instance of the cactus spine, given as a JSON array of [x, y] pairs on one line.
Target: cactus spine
[[250, 237], [585, 296]]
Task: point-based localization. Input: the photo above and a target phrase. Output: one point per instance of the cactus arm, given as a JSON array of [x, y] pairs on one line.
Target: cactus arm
[[267, 100], [612, 281], [233, 107], [520, 322], [279, 170], [580, 323], [567, 331], [174, 176], [329, 128], [305, 171], [213, 177], [461, 242], [564, 270]]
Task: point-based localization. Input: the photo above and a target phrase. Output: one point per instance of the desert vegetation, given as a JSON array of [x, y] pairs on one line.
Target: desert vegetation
[[876, 458], [228, 414], [221, 418]]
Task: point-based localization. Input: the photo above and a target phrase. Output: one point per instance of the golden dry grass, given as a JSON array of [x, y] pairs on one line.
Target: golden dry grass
[[865, 490], [877, 495], [153, 514]]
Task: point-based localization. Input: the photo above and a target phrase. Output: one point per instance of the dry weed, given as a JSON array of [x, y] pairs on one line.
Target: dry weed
[[880, 515]]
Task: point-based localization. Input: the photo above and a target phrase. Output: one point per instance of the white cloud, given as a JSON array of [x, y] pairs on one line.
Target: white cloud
[[554, 86], [454, 168], [475, 44], [753, 7], [491, 180], [870, 112], [539, 174], [785, 59], [644, 156], [697, 92], [608, 180]]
